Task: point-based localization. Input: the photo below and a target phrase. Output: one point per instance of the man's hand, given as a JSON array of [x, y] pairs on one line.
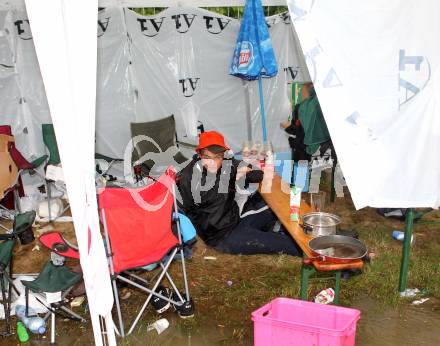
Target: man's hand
[[285, 124]]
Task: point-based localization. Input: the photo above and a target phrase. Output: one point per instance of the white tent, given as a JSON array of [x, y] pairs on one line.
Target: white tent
[[64, 36], [388, 148], [376, 68], [180, 56], [70, 83]]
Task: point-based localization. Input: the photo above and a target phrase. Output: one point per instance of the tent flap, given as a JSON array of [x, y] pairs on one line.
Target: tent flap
[[376, 70]]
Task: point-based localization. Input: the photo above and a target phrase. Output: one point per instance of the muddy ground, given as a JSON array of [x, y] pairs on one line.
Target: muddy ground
[[227, 289]]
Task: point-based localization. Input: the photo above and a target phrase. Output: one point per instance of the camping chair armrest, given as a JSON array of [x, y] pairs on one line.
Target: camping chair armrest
[[185, 144], [109, 159], [8, 236]]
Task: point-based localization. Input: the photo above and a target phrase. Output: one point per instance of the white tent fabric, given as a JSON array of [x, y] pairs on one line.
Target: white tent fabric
[[376, 69], [147, 69], [69, 74]]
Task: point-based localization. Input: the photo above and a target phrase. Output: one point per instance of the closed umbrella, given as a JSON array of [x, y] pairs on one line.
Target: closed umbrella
[[254, 57]]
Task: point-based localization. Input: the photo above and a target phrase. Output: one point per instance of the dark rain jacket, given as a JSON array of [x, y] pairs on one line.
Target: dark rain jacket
[[313, 123], [208, 199]]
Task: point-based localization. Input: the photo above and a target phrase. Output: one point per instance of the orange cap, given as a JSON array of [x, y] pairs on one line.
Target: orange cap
[[211, 138]]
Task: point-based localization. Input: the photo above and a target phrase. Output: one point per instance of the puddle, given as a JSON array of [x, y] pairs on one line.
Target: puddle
[[175, 335], [405, 325], [380, 325]]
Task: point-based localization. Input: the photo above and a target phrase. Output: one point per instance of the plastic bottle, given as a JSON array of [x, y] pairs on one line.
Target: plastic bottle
[[22, 333], [34, 323], [398, 235], [295, 203]]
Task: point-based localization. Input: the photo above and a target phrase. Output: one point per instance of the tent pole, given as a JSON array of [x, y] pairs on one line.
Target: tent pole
[[406, 249], [263, 116], [248, 109]]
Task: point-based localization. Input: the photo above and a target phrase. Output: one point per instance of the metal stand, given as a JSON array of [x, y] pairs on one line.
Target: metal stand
[[406, 250], [6, 300], [307, 271], [332, 189], [335, 162]]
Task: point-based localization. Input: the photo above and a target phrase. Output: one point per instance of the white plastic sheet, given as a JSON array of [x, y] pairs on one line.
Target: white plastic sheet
[[69, 75], [376, 69], [23, 101], [175, 62]]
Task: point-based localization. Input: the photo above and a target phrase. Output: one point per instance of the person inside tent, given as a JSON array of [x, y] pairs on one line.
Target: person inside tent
[[308, 129], [207, 188]]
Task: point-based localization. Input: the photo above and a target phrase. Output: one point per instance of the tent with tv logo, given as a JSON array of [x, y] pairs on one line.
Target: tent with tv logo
[[376, 68], [180, 56]]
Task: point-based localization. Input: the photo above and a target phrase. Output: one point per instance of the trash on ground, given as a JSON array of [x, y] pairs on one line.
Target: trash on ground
[[22, 333], [229, 282], [77, 301], [125, 294], [31, 321], [44, 229], [212, 258], [36, 248], [410, 292], [159, 325], [399, 235], [325, 296], [419, 301], [53, 207]]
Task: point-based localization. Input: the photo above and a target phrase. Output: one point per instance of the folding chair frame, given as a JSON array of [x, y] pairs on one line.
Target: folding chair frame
[[6, 297], [49, 160], [56, 253], [151, 292], [52, 311], [5, 274]]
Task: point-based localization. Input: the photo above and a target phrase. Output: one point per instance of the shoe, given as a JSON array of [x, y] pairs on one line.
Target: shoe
[[186, 310], [161, 305]]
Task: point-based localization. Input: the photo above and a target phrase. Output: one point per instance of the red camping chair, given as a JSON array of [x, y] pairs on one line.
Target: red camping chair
[[11, 165], [138, 232]]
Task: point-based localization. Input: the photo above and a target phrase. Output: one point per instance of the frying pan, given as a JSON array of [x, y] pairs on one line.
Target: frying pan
[[337, 249]]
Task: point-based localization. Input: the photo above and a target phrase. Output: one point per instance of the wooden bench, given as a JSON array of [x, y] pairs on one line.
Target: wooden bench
[[276, 194]]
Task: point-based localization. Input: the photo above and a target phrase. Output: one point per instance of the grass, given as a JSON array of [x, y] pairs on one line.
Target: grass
[[228, 289]]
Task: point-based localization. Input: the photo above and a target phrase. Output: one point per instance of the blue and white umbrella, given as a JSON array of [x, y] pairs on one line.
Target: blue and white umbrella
[[254, 57]]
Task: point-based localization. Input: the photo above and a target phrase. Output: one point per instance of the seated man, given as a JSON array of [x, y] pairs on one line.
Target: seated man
[[207, 187]]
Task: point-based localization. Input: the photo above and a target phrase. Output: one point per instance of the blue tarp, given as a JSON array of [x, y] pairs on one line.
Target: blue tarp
[[253, 54]]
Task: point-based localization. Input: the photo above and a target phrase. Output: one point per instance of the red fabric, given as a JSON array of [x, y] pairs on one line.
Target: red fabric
[[139, 222], [51, 239], [211, 138], [9, 199], [89, 240], [19, 160], [5, 130]]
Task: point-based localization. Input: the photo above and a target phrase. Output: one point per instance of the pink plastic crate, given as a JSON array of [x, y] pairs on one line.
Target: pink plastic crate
[[286, 321]]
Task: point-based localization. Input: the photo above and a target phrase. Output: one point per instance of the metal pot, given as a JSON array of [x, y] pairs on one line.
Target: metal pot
[[318, 224], [337, 249]]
